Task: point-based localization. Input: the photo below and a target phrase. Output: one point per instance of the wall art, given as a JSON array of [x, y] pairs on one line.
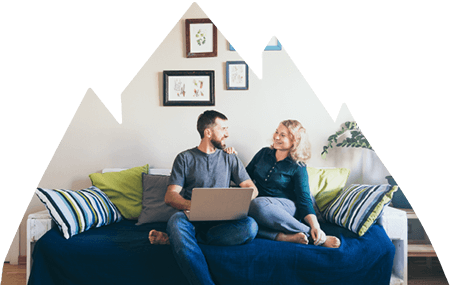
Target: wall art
[[188, 88], [237, 75], [201, 38]]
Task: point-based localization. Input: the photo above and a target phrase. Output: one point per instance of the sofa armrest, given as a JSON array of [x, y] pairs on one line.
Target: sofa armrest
[[395, 223], [37, 225]]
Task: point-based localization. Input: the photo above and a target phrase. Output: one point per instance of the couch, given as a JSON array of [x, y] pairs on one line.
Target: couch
[[117, 250]]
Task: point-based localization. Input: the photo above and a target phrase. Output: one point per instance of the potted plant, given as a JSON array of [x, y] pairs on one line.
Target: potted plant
[[358, 140]]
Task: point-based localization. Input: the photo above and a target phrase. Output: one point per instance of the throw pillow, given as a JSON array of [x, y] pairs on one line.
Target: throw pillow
[[154, 209], [124, 189], [358, 206], [77, 211], [326, 183]]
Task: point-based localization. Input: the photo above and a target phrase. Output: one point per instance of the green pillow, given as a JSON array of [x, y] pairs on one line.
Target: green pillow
[[123, 188], [326, 183]]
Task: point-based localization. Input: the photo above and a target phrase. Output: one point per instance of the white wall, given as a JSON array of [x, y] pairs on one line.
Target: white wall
[[154, 134]]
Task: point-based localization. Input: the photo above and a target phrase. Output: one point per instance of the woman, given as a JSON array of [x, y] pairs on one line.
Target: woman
[[284, 209]]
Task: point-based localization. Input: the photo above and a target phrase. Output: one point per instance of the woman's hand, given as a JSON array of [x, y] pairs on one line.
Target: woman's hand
[[230, 150], [318, 235]]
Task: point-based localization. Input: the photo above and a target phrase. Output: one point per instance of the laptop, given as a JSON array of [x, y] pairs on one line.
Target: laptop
[[219, 204]]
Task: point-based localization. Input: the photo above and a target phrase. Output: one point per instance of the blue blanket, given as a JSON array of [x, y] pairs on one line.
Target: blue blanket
[[121, 254]]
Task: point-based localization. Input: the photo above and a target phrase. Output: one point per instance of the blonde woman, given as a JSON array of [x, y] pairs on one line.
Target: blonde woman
[[283, 209]]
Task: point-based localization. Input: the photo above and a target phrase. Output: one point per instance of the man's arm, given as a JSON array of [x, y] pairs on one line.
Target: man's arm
[[174, 199], [249, 184]]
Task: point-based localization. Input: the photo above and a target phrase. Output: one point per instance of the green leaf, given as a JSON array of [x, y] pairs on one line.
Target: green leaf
[[355, 133]]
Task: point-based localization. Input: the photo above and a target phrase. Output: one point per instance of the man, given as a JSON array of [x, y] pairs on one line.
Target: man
[[206, 166]]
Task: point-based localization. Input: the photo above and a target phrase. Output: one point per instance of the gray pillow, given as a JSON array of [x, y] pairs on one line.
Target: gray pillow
[[153, 207]]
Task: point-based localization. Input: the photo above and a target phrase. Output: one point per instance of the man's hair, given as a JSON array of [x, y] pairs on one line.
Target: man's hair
[[208, 120]]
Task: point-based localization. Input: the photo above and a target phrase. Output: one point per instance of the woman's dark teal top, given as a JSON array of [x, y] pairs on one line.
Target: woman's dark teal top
[[282, 179]]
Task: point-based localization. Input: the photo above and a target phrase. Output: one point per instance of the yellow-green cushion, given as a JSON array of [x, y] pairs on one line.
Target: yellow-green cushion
[[326, 183], [123, 188]]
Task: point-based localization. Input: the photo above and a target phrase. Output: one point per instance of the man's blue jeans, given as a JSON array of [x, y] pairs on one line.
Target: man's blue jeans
[[185, 235]]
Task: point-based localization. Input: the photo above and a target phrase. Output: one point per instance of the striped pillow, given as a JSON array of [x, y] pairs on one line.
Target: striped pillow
[[77, 211], [359, 206]]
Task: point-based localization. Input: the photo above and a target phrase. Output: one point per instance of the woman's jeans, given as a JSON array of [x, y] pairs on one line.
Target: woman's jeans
[[275, 215], [185, 235]]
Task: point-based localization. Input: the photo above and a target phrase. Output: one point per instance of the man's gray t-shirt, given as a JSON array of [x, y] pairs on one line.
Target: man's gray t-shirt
[[193, 168]]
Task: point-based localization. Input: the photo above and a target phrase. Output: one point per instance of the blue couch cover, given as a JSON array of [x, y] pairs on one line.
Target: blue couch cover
[[121, 254]]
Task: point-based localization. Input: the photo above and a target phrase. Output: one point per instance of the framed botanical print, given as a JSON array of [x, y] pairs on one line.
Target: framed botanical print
[[201, 38], [237, 75], [188, 88]]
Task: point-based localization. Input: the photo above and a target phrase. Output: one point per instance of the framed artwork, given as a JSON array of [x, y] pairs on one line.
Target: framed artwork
[[188, 88], [201, 38], [273, 44], [237, 75]]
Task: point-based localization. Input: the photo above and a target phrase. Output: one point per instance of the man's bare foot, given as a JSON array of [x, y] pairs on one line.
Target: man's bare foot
[[332, 242], [157, 237], [295, 238]]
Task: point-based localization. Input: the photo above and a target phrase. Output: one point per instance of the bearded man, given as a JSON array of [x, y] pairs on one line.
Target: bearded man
[[205, 166]]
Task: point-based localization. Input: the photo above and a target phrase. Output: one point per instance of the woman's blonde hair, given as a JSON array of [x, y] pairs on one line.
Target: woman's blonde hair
[[301, 150]]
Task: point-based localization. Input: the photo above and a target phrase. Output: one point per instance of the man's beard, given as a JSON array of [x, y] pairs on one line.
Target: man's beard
[[217, 144]]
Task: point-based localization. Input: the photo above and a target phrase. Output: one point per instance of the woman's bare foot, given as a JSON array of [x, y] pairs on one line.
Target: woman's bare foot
[[157, 237], [332, 242], [295, 238]]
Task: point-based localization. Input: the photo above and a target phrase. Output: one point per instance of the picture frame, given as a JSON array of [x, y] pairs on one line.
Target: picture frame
[[236, 75], [188, 88], [201, 38], [274, 44]]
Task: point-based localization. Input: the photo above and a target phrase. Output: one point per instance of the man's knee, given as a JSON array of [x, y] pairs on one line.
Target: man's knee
[[252, 228], [176, 221]]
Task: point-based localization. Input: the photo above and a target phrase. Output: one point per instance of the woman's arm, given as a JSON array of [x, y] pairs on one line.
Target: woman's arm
[[303, 195], [251, 166], [305, 204]]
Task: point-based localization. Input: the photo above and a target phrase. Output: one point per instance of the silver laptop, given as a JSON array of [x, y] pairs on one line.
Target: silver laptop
[[219, 204]]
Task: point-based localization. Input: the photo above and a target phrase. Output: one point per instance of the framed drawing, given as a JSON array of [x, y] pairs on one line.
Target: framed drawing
[[237, 75], [188, 88], [201, 38]]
